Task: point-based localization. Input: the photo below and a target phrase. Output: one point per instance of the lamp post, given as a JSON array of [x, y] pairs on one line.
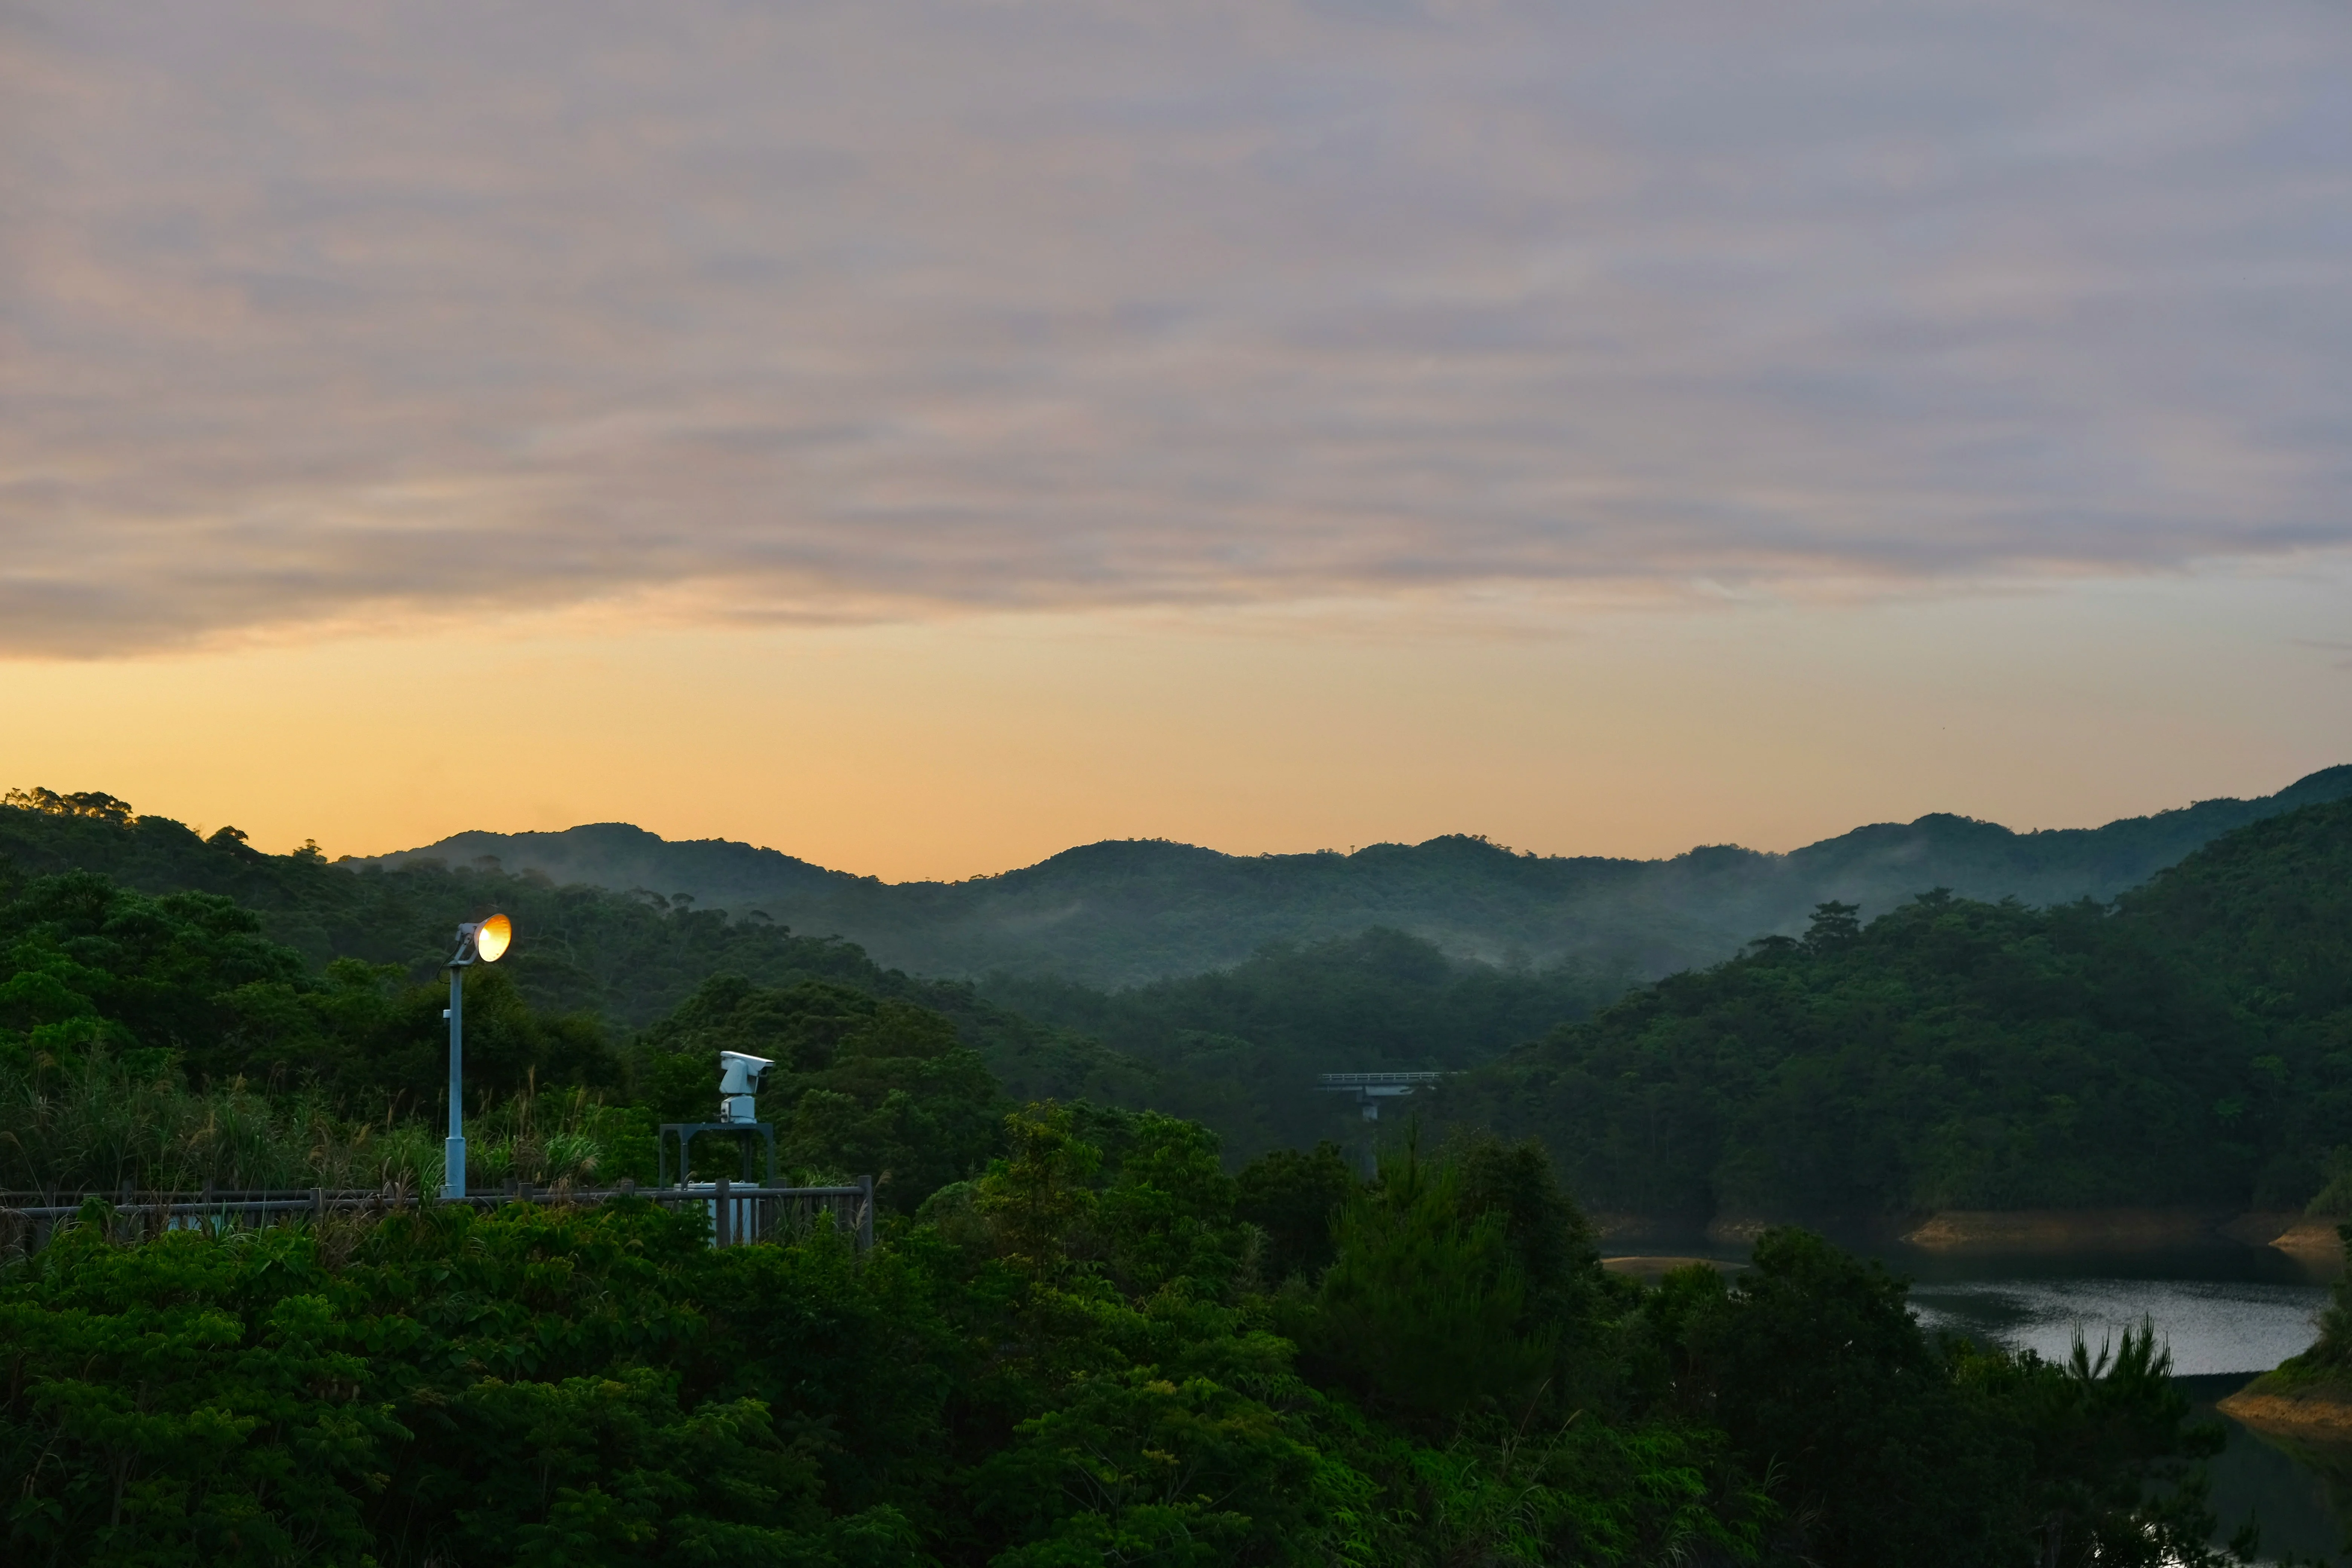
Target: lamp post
[[483, 941]]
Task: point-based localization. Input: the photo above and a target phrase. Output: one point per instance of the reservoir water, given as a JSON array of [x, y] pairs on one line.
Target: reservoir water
[[2220, 1309], [2228, 1312]]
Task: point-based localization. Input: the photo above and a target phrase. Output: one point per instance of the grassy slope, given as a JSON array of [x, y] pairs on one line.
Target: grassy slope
[[2309, 1395]]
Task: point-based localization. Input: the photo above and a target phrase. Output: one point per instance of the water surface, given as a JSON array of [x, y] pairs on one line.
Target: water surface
[[2213, 1326], [2228, 1312]]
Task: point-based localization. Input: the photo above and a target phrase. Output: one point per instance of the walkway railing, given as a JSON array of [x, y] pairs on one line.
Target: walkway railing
[[741, 1214]]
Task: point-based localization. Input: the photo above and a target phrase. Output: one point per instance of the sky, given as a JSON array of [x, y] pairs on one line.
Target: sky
[[924, 436]]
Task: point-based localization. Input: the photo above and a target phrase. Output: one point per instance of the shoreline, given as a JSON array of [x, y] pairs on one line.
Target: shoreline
[[2319, 1412], [1650, 1267], [2098, 1229], [1958, 1231]]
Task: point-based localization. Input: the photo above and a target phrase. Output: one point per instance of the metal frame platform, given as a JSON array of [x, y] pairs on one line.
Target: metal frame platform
[[686, 1132]]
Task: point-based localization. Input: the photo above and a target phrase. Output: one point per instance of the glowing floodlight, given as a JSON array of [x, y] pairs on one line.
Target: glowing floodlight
[[491, 937]]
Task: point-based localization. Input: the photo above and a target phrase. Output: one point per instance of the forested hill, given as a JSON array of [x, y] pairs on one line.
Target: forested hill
[[1237, 1050], [1076, 1337], [2189, 1045], [1123, 913], [579, 950]]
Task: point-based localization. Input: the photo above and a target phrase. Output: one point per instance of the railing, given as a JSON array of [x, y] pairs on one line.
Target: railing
[[1371, 1080], [741, 1214]]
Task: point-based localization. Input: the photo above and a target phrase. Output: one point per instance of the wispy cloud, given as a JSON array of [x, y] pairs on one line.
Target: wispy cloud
[[839, 310]]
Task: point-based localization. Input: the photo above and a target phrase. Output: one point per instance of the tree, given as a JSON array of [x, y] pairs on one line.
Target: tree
[[1293, 1196], [1816, 1368], [1425, 1308], [1834, 926]]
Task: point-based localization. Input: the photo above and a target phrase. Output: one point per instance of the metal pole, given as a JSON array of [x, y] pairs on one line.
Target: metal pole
[[453, 1170]]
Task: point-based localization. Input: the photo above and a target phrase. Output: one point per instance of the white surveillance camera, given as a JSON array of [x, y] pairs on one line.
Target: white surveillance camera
[[738, 1083]]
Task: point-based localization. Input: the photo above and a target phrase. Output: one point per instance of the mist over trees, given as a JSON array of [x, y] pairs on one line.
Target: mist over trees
[[1121, 913], [2183, 1045], [2191, 1043], [1241, 1049]]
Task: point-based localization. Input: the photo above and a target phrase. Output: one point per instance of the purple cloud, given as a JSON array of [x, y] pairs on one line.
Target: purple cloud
[[843, 310]]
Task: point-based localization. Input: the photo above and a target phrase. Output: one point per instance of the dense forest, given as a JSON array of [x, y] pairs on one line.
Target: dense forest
[[1238, 1051], [608, 961], [2183, 1045], [1078, 1340], [1119, 914], [1242, 1047], [165, 1041], [2190, 1043], [1078, 1356]]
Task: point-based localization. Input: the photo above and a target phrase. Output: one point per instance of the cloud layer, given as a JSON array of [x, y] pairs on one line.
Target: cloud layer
[[837, 310]]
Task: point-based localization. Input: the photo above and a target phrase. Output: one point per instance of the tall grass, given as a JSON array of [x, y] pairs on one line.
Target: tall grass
[[92, 1124], [558, 1138]]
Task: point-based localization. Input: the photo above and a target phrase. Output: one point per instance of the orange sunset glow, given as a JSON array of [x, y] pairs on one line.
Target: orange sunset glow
[[922, 446]]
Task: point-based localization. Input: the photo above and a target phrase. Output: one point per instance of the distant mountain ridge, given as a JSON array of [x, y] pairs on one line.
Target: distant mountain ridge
[[1121, 912]]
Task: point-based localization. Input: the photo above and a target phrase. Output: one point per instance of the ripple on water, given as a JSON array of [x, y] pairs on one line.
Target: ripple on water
[[2213, 1326]]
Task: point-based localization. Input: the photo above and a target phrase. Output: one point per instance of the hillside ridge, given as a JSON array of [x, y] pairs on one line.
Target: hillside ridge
[[2181, 1048], [1126, 911]]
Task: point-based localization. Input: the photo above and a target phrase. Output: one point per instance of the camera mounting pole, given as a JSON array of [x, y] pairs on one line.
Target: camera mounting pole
[[478, 941]]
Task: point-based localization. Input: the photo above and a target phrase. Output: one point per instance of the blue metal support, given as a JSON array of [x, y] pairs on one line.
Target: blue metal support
[[453, 1168], [683, 1134]]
